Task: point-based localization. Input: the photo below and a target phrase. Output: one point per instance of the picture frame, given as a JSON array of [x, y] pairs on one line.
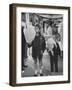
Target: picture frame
[[45, 13]]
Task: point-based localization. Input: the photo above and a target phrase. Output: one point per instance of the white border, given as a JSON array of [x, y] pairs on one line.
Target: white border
[[63, 77]]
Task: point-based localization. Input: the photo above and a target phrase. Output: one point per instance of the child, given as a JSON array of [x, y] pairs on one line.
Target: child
[[38, 47], [54, 52]]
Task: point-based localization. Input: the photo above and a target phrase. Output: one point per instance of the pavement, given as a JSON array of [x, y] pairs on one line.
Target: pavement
[[29, 71]]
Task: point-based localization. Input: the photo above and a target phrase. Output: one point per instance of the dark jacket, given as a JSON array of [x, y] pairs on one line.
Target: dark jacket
[[38, 46], [23, 43], [56, 50]]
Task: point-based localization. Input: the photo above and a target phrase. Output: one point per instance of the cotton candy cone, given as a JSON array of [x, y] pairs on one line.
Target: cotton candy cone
[[30, 34]]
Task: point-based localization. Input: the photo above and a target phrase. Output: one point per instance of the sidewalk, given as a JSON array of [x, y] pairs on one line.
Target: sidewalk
[[29, 71]]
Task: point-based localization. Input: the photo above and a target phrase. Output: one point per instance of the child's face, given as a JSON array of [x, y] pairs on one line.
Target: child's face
[[36, 29]]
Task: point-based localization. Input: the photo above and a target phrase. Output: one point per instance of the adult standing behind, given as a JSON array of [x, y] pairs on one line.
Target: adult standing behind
[[49, 29], [48, 34], [54, 51], [24, 46], [57, 52], [60, 31]]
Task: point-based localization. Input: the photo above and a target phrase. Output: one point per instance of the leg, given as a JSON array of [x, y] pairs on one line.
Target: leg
[[23, 59], [26, 50], [25, 55], [56, 64], [22, 64], [35, 66], [51, 63], [40, 65]]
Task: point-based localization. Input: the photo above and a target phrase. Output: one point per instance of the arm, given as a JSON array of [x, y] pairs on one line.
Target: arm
[[30, 44]]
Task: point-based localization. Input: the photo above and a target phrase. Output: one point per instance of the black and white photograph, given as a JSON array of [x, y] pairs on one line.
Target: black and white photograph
[[42, 44]]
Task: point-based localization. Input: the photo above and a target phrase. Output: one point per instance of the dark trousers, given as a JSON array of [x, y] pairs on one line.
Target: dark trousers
[[24, 55], [23, 48], [54, 63]]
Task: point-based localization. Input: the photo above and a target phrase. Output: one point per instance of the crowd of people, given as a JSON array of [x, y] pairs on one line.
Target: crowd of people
[[40, 42]]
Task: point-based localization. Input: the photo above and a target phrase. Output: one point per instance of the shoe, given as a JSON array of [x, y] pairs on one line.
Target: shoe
[[35, 75], [41, 74]]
